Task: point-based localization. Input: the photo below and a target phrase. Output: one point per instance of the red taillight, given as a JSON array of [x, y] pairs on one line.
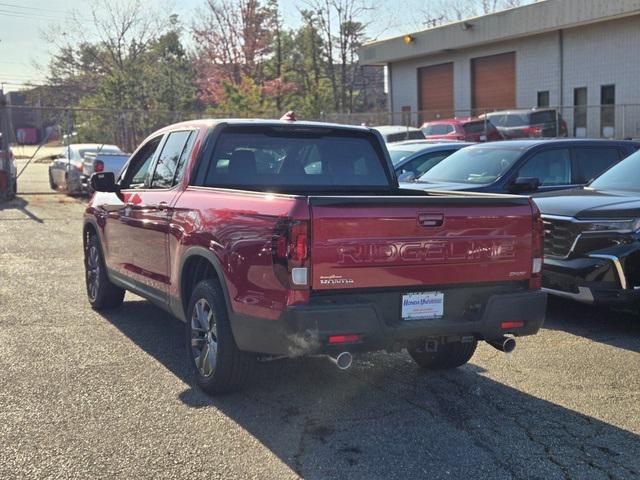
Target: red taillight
[[534, 131], [98, 166], [563, 128], [352, 338], [299, 249], [291, 255], [537, 248], [511, 325]]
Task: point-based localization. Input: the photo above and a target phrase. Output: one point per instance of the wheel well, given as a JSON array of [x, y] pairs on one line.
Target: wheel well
[[88, 230], [195, 269]]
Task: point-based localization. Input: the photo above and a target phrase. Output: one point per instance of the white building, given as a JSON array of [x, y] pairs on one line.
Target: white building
[[580, 55]]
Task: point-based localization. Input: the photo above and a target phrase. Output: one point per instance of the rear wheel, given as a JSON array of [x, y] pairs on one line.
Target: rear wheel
[[101, 292], [448, 355], [218, 364]]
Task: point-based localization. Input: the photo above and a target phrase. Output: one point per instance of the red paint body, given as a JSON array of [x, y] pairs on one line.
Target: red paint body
[[385, 243]]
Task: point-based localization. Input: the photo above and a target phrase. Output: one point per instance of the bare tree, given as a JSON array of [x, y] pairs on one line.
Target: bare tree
[[443, 11], [342, 25]]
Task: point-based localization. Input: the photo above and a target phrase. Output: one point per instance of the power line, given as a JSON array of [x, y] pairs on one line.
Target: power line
[[14, 14], [13, 5]]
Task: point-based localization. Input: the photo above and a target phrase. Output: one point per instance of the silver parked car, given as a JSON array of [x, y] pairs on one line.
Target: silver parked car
[[67, 171]]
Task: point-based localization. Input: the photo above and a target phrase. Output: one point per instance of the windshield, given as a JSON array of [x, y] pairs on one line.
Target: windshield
[[479, 165], [623, 176], [398, 155]]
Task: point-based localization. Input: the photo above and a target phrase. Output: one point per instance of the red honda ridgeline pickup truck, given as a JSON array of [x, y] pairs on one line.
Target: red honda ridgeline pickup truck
[[285, 238]]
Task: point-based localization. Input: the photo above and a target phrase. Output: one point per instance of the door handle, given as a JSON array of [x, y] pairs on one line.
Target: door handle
[[430, 219]]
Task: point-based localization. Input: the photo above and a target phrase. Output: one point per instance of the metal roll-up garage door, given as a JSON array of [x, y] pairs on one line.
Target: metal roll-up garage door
[[493, 82], [435, 91]]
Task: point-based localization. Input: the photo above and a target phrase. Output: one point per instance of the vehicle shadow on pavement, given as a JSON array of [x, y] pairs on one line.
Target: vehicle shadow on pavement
[[615, 328], [385, 418], [20, 204]]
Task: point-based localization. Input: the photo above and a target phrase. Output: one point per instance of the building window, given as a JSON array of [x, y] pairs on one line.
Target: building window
[[608, 111], [580, 112], [543, 98]]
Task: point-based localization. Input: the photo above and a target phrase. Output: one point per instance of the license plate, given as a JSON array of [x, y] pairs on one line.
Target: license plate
[[422, 306], [483, 138]]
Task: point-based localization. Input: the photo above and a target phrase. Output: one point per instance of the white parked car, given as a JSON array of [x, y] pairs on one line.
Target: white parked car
[[71, 170]]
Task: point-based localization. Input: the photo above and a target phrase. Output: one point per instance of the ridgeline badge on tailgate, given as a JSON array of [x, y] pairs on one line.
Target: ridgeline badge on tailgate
[[335, 280], [460, 250]]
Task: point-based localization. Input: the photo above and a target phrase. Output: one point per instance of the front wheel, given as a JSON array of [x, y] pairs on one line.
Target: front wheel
[[52, 182], [448, 356], [218, 364], [14, 189], [101, 292]]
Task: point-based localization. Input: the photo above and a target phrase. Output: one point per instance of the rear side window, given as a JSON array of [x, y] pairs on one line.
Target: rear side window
[[476, 127], [169, 158], [440, 129], [593, 161], [277, 159], [550, 167]]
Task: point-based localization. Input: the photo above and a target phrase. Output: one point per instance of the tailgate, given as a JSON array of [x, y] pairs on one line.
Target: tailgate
[[367, 242]]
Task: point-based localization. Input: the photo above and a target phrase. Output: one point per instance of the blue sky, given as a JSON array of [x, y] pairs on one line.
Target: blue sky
[[22, 22]]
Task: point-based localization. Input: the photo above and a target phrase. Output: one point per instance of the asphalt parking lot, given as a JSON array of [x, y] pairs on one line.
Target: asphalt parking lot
[[89, 395]]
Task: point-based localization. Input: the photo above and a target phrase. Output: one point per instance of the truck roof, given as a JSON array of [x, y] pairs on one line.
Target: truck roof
[[212, 122]]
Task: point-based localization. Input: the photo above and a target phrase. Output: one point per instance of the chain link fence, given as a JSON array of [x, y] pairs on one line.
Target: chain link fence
[[38, 125]]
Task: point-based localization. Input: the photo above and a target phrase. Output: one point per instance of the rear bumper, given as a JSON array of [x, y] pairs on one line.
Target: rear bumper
[[305, 329], [599, 278], [74, 182]]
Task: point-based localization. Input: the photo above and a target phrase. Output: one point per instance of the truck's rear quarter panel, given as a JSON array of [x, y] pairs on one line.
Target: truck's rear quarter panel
[[238, 228]]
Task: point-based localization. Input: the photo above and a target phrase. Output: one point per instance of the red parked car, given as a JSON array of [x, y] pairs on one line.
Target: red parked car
[[285, 238], [534, 123], [462, 129]]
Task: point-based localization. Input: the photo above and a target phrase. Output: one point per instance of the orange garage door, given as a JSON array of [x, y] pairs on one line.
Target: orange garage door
[[435, 91], [493, 82]]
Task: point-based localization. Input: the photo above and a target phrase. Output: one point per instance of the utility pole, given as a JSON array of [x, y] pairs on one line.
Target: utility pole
[[6, 182]]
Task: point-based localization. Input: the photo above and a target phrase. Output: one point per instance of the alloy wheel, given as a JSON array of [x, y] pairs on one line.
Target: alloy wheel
[[204, 338], [93, 271]]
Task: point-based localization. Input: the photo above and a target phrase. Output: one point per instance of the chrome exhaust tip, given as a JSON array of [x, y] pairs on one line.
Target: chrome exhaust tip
[[343, 360], [504, 344]]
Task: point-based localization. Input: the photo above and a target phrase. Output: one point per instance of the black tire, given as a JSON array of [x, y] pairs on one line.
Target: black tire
[[52, 183], [449, 355], [14, 189], [102, 294], [209, 330]]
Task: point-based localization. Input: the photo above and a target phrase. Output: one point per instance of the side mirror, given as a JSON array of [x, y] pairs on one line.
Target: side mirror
[[524, 185], [104, 182], [406, 177]]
